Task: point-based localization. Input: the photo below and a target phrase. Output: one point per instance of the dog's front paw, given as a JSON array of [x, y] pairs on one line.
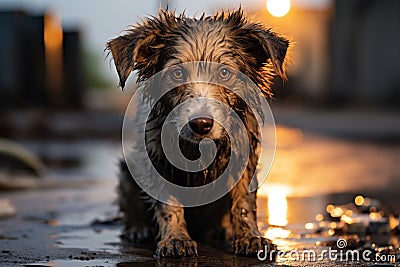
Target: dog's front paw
[[176, 248], [250, 246]]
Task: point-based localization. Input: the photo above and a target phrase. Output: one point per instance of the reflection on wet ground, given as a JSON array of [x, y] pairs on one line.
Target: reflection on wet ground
[[106, 240], [308, 204]]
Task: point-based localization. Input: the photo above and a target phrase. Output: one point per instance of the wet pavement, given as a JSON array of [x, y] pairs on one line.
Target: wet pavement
[[317, 173]]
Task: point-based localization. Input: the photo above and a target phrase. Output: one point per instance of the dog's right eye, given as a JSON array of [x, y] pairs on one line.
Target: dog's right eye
[[224, 74], [178, 74]]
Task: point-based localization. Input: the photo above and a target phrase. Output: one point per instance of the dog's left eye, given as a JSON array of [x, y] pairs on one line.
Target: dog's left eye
[[224, 74], [178, 74]]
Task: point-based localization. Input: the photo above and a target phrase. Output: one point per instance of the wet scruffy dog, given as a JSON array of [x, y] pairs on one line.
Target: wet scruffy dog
[[165, 42]]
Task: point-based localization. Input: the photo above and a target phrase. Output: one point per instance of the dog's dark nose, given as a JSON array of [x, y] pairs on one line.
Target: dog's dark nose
[[201, 125]]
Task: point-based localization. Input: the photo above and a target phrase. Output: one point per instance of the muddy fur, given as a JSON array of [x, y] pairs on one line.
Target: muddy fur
[[163, 42]]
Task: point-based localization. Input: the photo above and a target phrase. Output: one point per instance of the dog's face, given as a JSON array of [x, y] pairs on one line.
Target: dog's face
[[202, 90]]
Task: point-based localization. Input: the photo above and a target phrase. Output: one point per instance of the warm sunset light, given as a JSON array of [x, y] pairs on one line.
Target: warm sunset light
[[53, 34], [53, 44], [277, 205], [278, 8], [276, 232]]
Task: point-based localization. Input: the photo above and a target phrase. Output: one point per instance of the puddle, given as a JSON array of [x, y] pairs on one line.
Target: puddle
[[105, 240]]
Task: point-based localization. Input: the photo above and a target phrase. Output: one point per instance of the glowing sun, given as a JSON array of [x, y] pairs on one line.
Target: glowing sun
[[278, 8]]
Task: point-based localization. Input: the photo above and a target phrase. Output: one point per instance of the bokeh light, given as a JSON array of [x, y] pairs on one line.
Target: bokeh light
[[359, 200]]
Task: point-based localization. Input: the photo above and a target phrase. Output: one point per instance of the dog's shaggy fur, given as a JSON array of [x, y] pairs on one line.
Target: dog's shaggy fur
[[164, 42]]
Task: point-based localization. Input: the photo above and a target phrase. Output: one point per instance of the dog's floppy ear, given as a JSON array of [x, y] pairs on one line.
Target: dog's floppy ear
[[265, 45], [262, 44], [135, 51], [268, 45]]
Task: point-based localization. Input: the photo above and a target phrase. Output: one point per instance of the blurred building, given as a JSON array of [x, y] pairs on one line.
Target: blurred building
[[365, 52], [41, 62]]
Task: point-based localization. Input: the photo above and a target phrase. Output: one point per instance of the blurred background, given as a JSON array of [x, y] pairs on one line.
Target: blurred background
[[338, 124]]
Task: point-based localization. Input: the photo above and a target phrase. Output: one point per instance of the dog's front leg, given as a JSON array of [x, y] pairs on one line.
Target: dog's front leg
[[175, 240], [247, 240]]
